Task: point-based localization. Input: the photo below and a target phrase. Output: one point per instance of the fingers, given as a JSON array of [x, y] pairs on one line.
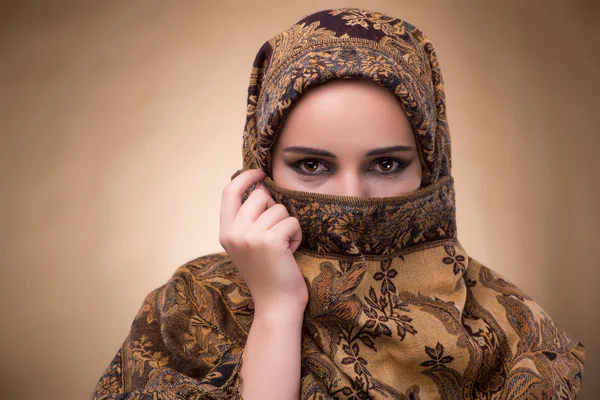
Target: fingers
[[268, 219], [258, 201], [232, 194], [289, 229], [257, 219]]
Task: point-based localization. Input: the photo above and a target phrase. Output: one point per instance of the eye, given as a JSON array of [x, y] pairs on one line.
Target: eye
[[388, 165], [385, 164], [310, 166]]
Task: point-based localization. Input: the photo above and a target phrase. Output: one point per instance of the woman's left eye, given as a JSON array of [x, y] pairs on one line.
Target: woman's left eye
[[310, 166], [387, 165]]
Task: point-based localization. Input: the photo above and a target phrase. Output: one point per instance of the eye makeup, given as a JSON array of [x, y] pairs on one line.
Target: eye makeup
[[310, 166], [315, 167], [387, 165]]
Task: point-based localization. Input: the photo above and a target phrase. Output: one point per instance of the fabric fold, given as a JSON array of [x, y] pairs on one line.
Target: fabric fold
[[371, 228], [187, 339], [397, 309]]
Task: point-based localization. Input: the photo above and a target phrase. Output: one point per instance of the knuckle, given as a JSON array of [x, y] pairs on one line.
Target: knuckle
[[258, 194], [227, 192], [251, 197], [224, 240], [229, 187], [235, 240], [270, 238], [250, 240], [280, 208]]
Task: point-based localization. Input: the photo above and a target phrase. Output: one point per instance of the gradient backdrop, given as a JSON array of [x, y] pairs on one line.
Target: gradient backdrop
[[121, 122]]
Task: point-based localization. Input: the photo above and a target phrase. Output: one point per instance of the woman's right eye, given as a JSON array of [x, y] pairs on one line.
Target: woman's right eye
[[310, 166]]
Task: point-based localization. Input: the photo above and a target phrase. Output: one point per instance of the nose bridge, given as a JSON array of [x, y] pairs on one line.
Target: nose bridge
[[352, 184]]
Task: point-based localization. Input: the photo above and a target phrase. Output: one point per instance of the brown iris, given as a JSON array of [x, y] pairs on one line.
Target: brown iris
[[386, 164], [310, 165]]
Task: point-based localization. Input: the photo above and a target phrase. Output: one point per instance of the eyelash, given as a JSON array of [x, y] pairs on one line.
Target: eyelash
[[398, 166], [298, 166]]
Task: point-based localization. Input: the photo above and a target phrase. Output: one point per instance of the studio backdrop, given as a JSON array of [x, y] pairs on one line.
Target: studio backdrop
[[121, 122]]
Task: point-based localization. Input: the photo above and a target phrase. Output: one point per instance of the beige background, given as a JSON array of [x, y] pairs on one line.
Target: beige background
[[121, 122]]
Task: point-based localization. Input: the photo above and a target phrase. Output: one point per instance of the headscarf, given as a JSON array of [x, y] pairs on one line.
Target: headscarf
[[347, 44], [397, 309]]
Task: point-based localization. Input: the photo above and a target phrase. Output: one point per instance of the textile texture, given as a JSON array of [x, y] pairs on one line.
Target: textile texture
[[397, 309]]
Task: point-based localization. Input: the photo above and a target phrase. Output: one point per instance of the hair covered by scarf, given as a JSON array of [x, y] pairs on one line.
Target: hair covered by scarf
[[352, 43], [397, 309], [348, 44]]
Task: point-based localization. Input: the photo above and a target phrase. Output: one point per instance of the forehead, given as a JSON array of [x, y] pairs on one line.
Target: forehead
[[343, 113]]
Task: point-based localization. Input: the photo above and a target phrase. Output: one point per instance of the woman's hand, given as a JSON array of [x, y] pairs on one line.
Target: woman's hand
[[261, 238]]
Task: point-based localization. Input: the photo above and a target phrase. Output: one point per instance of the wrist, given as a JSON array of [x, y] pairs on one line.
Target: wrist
[[288, 312]]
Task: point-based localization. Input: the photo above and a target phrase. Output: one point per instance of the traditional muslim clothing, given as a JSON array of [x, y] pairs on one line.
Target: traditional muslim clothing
[[397, 309]]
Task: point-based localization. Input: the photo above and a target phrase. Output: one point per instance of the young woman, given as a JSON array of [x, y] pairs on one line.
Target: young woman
[[343, 276]]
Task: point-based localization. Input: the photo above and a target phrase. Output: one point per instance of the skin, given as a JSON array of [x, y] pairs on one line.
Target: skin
[[261, 238], [347, 138]]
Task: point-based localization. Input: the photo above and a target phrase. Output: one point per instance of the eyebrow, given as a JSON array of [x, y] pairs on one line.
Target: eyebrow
[[309, 150], [391, 149], [325, 153]]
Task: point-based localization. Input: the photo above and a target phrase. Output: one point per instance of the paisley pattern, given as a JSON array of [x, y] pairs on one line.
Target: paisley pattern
[[349, 44], [372, 228], [397, 309], [185, 349], [403, 327]]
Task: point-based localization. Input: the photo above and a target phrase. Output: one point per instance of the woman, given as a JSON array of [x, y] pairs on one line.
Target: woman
[[343, 276]]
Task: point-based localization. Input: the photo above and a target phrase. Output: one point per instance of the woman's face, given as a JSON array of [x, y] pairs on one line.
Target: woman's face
[[350, 138]]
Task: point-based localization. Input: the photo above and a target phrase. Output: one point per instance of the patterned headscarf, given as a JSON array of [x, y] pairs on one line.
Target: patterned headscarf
[[397, 309], [356, 44], [346, 44]]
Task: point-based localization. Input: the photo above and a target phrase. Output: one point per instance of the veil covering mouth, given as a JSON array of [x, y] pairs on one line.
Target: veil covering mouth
[[397, 309]]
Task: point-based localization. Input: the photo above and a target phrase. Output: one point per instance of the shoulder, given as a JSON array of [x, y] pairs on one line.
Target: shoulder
[[203, 280], [203, 311], [204, 266], [492, 293], [212, 270], [197, 287], [523, 331], [205, 298], [484, 281]]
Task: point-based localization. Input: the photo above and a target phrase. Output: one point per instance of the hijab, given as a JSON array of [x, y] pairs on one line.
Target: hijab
[[397, 309]]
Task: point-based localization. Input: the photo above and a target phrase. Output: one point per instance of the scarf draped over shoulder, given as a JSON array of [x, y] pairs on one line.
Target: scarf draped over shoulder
[[397, 309]]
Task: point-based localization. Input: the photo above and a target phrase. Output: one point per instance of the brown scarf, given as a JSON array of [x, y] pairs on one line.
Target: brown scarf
[[397, 309]]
